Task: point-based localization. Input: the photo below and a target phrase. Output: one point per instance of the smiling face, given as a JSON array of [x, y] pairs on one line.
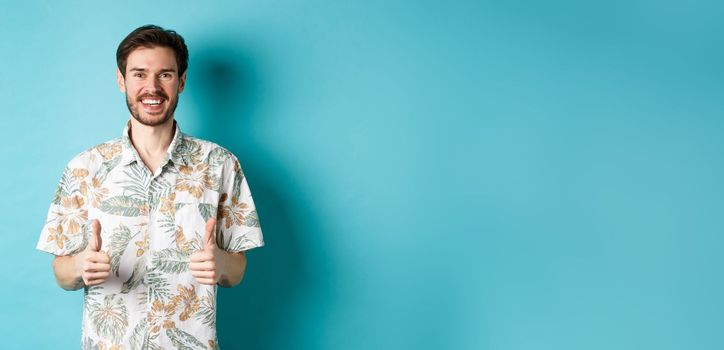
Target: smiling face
[[151, 84]]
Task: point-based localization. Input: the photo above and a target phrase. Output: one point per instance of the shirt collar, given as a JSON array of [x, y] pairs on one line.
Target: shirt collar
[[173, 153]]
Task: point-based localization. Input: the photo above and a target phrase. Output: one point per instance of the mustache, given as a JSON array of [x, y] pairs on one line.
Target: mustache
[[158, 95]]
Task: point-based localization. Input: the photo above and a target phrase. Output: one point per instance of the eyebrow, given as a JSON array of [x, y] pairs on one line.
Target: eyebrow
[[166, 70]]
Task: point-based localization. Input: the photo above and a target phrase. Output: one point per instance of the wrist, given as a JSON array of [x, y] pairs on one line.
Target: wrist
[[77, 263]]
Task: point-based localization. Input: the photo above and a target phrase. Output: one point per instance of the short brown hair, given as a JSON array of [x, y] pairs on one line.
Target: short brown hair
[[153, 36]]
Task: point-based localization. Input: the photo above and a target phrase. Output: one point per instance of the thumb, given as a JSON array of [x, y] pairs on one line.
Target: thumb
[[95, 242], [209, 237]]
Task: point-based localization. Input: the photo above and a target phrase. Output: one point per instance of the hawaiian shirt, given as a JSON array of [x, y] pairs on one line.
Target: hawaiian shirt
[[150, 225]]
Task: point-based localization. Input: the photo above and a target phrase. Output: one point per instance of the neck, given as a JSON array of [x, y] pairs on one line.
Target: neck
[[151, 141]]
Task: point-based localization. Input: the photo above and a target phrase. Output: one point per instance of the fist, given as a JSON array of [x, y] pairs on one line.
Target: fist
[[94, 265], [205, 262]]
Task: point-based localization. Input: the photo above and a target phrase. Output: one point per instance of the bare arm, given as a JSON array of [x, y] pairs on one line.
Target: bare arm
[[87, 268], [66, 273], [233, 266], [212, 265]]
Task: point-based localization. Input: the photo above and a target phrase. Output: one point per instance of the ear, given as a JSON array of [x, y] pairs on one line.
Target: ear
[[121, 81], [182, 82]]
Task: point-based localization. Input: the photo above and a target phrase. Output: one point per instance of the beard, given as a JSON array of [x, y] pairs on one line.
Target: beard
[[134, 108]]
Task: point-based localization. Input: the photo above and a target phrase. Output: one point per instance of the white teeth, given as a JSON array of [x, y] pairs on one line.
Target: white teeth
[[151, 102]]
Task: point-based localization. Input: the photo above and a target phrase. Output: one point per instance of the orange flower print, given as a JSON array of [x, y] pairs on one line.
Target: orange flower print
[[109, 150], [142, 245], [234, 213], [188, 300], [94, 193], [80, 173], [151, 225], [167, 204], [160, 316], [56, 234], [103, 346], [143, 209], [73, 215], [194, 179], [181, 241]]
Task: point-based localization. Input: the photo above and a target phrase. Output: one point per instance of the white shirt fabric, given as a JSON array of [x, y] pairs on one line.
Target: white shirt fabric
[[151, 223]]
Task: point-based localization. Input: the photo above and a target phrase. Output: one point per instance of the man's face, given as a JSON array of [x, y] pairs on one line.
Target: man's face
[[151, 85]]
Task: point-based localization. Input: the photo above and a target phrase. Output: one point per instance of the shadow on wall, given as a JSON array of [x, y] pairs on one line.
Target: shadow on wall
[[261, 309]]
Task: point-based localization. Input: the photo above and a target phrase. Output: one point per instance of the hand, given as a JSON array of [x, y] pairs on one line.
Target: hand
[[205, 262], [94, 265]]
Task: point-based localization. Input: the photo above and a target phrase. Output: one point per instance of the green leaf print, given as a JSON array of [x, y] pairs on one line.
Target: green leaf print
[[167, 225], [207, 210], [184, 341], [240, 243], [122, 206], [135, 183], [138, 334], [87, 344], [171, 260], [160, 187], [236, 189], [110, 318], [151, 346], [65, 187], [106, 168], [191, 150], [119, 241], [139, 269], [217, 157], [251, 219], [207, 310], [158, 285]]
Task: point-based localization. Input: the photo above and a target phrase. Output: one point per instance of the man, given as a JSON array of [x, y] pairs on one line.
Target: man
[[149, 223]]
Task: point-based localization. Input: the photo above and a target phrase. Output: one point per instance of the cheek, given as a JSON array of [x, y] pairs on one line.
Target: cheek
[[132, 89], [171, 92], [171, 87]]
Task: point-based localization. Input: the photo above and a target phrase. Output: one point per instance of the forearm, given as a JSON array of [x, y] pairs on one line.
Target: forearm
[[232, 268], [67, 274]]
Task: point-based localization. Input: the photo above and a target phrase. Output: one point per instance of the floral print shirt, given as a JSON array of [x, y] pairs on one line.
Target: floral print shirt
[[150, 225]]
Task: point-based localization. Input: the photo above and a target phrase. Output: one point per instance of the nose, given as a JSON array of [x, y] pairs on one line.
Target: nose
[[153, 85]]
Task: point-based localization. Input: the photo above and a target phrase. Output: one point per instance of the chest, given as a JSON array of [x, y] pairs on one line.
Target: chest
[[152, 222]]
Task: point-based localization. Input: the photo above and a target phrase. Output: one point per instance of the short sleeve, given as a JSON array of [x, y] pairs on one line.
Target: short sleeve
[[237, 221], [65, 227]]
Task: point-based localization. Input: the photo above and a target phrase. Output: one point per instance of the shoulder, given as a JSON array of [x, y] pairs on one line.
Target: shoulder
[[93, 157], [208, 152]]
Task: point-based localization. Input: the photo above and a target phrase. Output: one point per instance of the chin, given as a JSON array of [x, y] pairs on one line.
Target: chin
[[152, 120]]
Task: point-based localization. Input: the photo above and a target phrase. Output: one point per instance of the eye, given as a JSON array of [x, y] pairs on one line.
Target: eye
[[165, 75], [138, 75]]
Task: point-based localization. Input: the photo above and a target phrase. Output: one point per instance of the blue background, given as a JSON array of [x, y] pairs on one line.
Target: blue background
[[429, 175]]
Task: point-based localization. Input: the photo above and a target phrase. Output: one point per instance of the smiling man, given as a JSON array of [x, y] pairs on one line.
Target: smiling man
[[148, 224]]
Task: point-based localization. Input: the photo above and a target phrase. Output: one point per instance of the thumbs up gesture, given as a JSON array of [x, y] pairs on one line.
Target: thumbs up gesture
[[205, 262], [94, 264]]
